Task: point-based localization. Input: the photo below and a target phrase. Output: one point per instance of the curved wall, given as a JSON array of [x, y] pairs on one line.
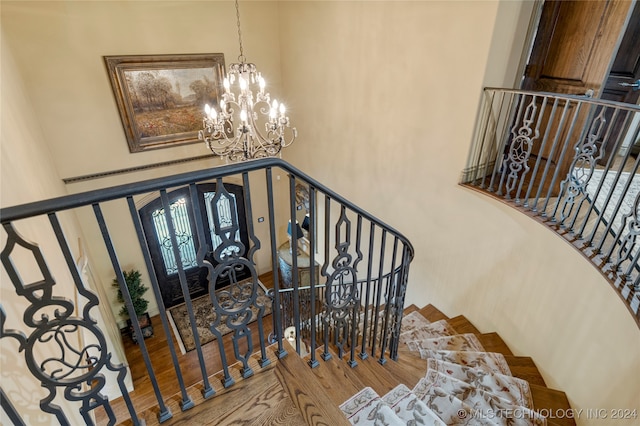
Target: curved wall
[[385, 96]]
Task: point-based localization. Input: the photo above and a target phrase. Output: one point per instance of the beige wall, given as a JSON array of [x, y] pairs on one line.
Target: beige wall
[[28, 174], [385, 96], [60, 46], [59, 49]]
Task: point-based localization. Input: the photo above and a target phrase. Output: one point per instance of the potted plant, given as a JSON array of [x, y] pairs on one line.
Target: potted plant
[[136, 290]]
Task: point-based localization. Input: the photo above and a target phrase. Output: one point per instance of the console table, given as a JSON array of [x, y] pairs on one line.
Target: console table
[[285, 261]]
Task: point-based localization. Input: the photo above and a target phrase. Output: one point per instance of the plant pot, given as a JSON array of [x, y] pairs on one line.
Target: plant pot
[[145, 326]]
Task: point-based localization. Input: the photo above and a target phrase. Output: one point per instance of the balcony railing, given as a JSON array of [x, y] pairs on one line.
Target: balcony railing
[[353, 305], [572, 163]]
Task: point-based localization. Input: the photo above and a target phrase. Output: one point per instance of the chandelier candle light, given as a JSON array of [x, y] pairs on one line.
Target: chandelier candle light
[[248, 141]]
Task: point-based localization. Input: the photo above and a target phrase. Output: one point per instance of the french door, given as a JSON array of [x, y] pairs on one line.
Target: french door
[[228, 208]]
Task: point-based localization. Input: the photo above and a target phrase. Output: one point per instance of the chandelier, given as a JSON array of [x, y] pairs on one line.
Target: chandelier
[[244, 127]]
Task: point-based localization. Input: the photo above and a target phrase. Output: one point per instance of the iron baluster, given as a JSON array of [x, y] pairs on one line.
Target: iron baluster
[[608, 166], [235, 300], [186, 401], [207, 390], [565, 148], [378, 293], [572, 188], [255, 246], [400, 298], [627, 241], [356, 288], [8, 408], [543, 146], [575, 142], [326, 310], [516, 162], [365, 323], [77, 370], [345, 286], [531, 141], [501, 153], [313, 362], [164, 411], [605, 141], [293, 246], [614, 214], [390, 302], [341, 290], [494, 150], [277, 319]]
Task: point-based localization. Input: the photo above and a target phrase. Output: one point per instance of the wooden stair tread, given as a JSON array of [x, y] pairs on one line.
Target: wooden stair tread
[[251, 387], [552, 401], [411, 308], [462, 325], [409, 368], [367, 373], [375, 375], [492, 342], [336, 371], [262, 398], [432, 313], [524, 368], [308, 395]]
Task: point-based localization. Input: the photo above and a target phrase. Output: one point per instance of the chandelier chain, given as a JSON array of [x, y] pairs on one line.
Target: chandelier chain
[[241, 57], [244, 123]]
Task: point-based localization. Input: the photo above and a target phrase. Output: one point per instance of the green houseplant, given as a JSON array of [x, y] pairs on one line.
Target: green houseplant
[[136, 290]]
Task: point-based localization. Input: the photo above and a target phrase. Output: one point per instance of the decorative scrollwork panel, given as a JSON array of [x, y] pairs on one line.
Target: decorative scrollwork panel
[[52, 350], [588, 152], [234, 305], [342, 298], [516, 162]]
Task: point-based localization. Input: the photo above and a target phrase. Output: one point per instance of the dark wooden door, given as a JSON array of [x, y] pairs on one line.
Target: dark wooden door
[[625, 69], [622, 80], [572, 52], [574, 45], [154, 221]]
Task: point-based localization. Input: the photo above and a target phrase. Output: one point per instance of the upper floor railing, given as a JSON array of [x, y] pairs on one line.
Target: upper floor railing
[[572, 163], [342, 291]]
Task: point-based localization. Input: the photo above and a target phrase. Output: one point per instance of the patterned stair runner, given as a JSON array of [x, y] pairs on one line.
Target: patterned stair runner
[[463, 384], [510, 388], [367, 408]]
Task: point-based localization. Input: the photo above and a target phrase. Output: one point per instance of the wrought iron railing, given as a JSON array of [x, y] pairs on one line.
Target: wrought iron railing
[[572, 163], [356, 299]]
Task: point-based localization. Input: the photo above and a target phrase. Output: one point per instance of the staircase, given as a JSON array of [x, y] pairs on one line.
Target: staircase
[[507, 389], [447, 373]]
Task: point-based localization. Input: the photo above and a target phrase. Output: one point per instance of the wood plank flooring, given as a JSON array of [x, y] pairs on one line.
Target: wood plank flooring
[[315, 406], [143, 396], [287, 391]]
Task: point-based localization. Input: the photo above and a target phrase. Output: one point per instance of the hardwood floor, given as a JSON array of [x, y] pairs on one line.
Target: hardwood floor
[[143, 397], [288, 392]]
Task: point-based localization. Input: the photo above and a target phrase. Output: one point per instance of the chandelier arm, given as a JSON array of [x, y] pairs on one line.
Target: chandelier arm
[[263, 128]]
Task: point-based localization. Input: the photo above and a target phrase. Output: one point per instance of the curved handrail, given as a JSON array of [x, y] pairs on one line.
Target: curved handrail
[[566, 160], [67, 202], [370, 309], [567, 96]]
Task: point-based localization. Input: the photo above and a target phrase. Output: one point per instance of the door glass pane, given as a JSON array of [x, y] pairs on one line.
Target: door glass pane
[[227, 219], [184, 237]]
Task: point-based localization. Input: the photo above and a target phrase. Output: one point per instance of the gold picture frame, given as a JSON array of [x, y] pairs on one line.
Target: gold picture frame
[[161, 98]]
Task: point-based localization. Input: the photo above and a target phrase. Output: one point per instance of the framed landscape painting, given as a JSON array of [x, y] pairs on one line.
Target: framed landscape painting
[[161, 98]]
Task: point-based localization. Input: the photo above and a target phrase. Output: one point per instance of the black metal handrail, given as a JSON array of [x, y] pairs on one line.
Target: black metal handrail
[[572, 163], [356, 299], [8, 214]]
